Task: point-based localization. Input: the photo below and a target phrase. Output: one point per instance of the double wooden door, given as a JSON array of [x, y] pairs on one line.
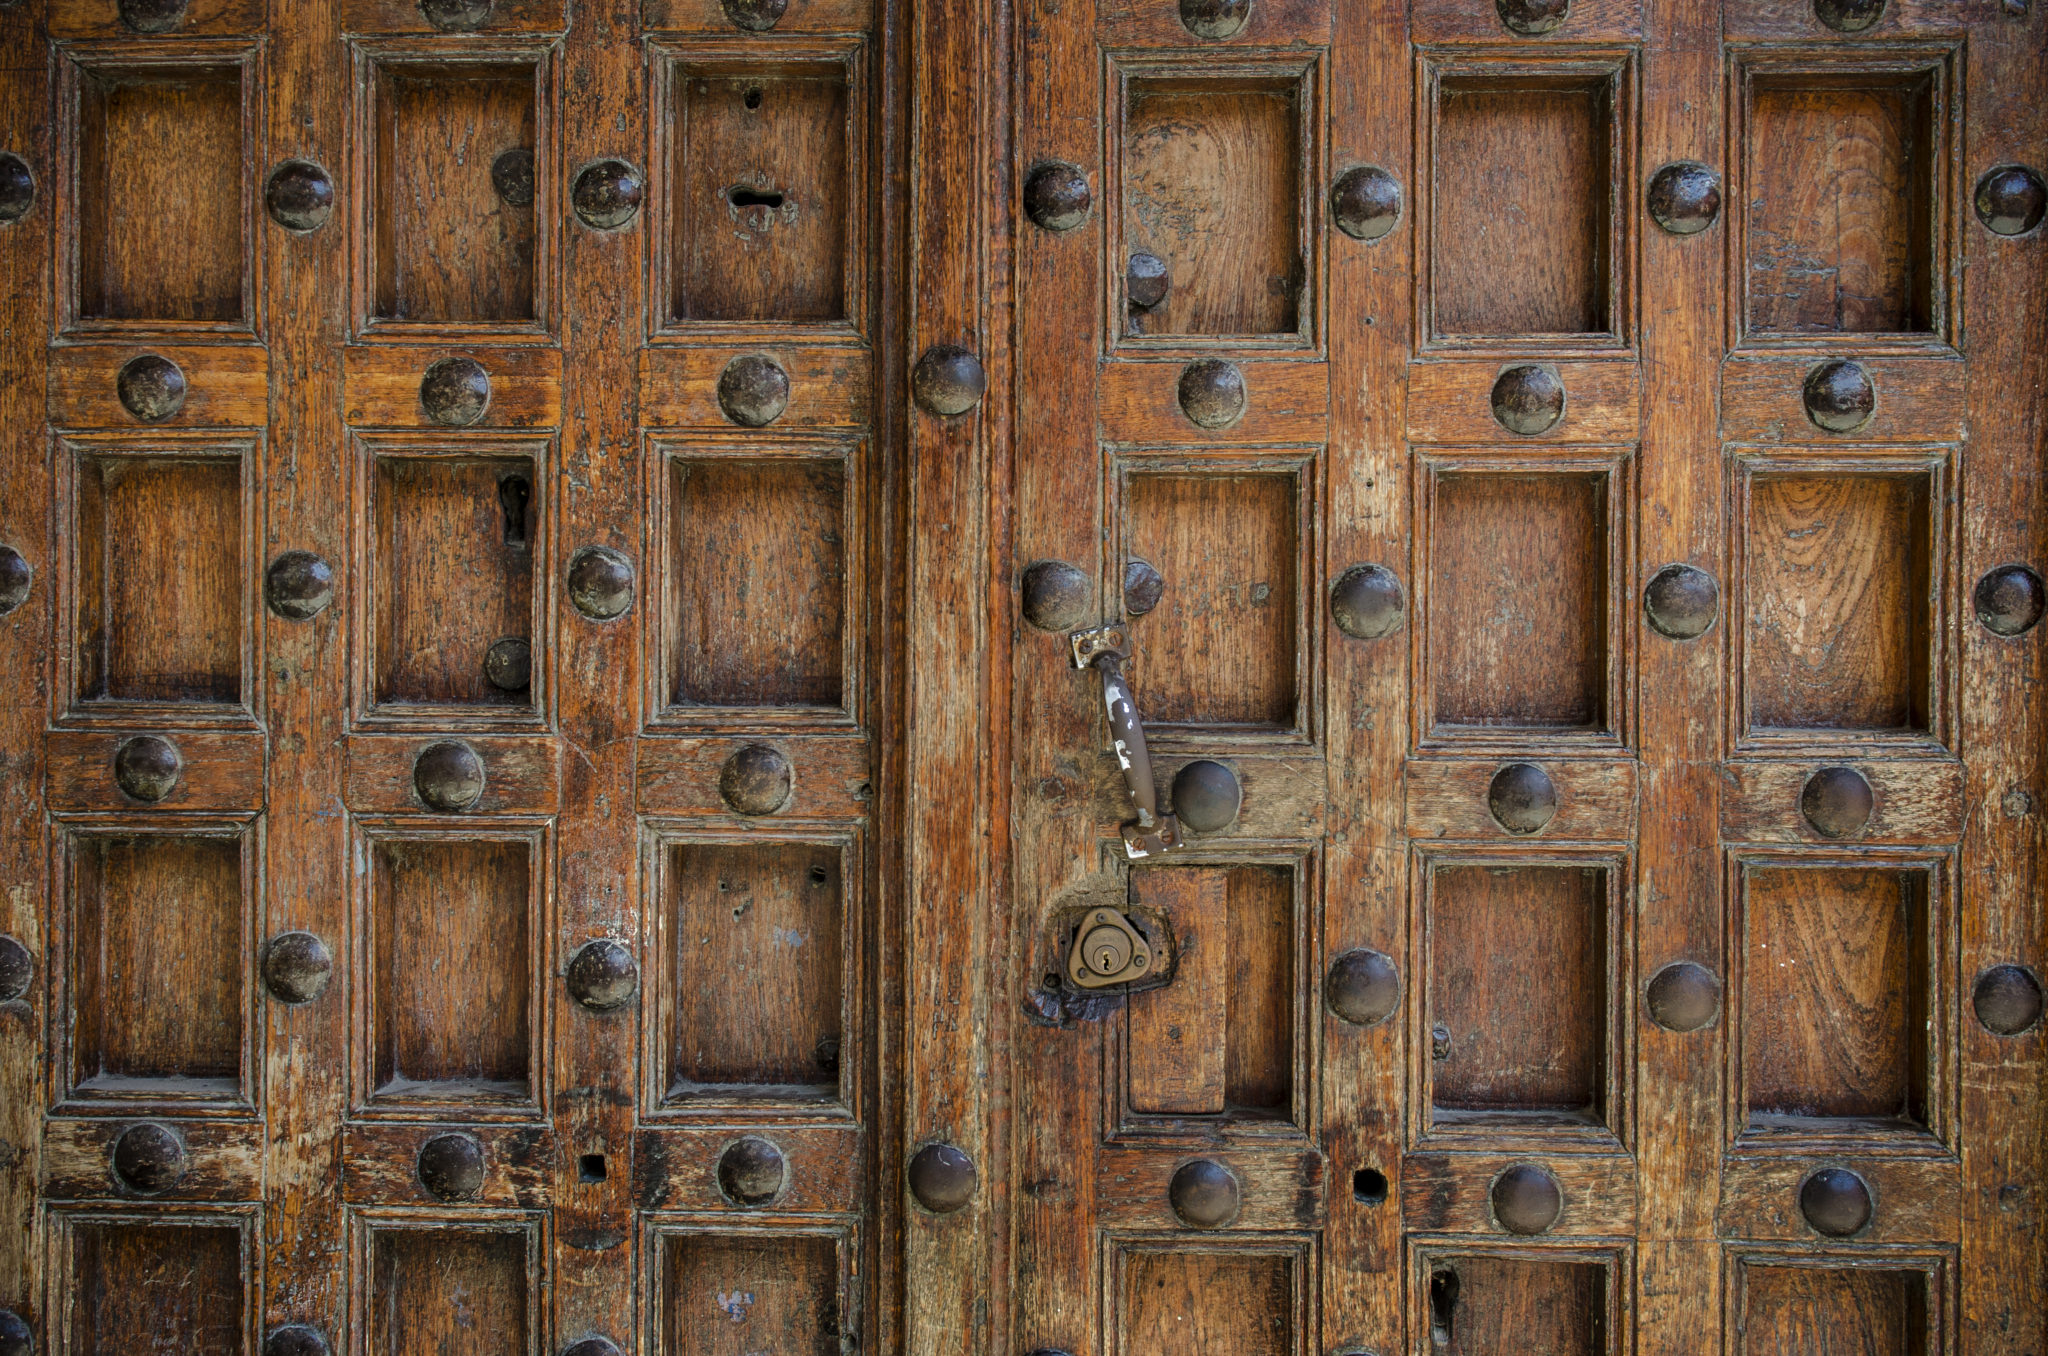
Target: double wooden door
[[793, 676]]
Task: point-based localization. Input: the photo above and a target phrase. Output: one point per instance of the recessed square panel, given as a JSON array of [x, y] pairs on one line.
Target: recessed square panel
[[451, 1291], [743, 1293], [1248, 1303], [1799, 1306], [165, 1285], [1480, 1302]]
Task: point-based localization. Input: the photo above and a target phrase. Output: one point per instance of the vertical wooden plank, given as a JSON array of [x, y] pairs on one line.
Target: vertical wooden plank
[[1176, 1047]]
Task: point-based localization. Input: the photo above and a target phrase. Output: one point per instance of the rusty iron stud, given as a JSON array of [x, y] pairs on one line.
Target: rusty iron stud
[[15, 1337], [17, 188], [2011, 199], [451, 1167], [941, 1178], [600, 583], [755, 16], [146, 768], [756, 780], [1204, 1194], [1521, 798], [151, 387], [1839, 396], [1363, 987], [1206, 796], [1365, 202], [1837, 802], [1146, 281], [508, 664], [298, 585], [1212, 393], [1836, 1202], [455, 391], [1215, 19], [2010, 599], [1439, 1042], [1848, 16], [1528, 398], [2007, 1000], [753, 390], [1053, 595], [295, 1339], [1526, 1199], [16, 578], [151, 16], [296, 967], [1144, 586], [1683, 996], [602, 975], [1366, 602], [1532, 18], [752, 1171], [1684, 197], [1681, 602], [448, 775], [607, 194], [149, 1158], [512, 176], [591, 1346], [457, 16], [17, 969], [948, 380], [1057, 196]]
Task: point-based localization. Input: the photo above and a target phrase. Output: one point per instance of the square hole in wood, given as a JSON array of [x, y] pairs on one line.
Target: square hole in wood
[[1212, 173], [449, 1291], [161, 218], [156, 966], [156, 1286], [451, 971], [455, 180], [739, 1293], [159, 584], [1244, 1303], [1869, 1310], [757, 969], [1477, 1303]]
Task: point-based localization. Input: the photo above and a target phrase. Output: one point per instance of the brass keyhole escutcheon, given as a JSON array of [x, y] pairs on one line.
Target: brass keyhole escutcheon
[[1107, 950]]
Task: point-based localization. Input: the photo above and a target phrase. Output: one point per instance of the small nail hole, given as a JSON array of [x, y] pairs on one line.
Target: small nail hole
[[590, 1168], [1369, 1186], [752, 98], [819, 875]]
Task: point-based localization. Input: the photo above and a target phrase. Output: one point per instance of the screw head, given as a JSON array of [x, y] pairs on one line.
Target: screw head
[[752, 1171], [2011, 199], [1532, 18], [1215, 19], [149, 1158], [508, 664], [607, 194], [1053, 595], [456, 16], [1207, 796], [603, 975], [753, 390], [1363, 987], [1836, 1202], [1366, 602], [2007, 1000], [1684, 197], [455, 391], [1144, 586], [755, 16], [17, 969], [2010, 599], [1365, 202], [1212, 393], [299, 196], [1839, 396], [1683, 996], [1521, 798], [1204, 1194], [1057, 196], [1681, 602], [17, 188], [298, 585], [941, 1178], [948, 380], [1848, 16], [296, 967], [1528, 399], [151, 387], [1146, 281], [1526, 1199], [1837, 802], [512, 176], [448, 775], [600, 583], [16, 578], [451, 1167], [146, 768], [756, 780]]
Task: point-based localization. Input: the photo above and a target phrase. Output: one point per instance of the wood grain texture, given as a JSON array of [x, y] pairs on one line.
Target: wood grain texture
[[1170, 1304], [226, 386], [1749, 20], [730, 1294], [802, 16], [677, 1169], [1919, 802], [829, 388], [1800, 1309], [1177, 1034], [1285, 402], [203, 18], [223, 1159], [1275, 23], [1917, 1201], [450, 1292], [1447, 21], [1478, 1303], [400, 16], [1918, 400], [141, 1283], [378, 1165], [219, 773], [1452, 403], [1596, 800], [1278, 1190], [522, 776], [1449, 1193], [832, 778], [382, 386]]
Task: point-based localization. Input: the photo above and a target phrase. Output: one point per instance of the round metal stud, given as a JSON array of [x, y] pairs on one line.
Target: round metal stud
[[451, 1167], [941, 1177], [295, 1339], [1837, 802], [146, 768], [592, 1346], [296, 967], [1532, 18], [1144, 586], [948, 380], [756, 780], [753, 390], [508, 664], [756, 16], [17, 188], [15, 1337], [457, 16], [512, 177], [151, 387], [455, 391], [1212, 393], [1848, 16], [1683, 996], [1204, 1194], [752, 1171], [1146, 281], [16, 577], [1521, 798], [1528, 398], [1057, 196], [1366, 602], [2010, 600], [152, 16], [1215, 18], [1365, 202], [1206, 796], [1681, 602], [1685, 197], [1363, 987], [1526, 1199], [17, 969], [2011, 199], [298, 585], [149, 1158], [1839, 396], [607, 194], [602, 975], [600, 583], [448, 775], [1836, 1202], [1053, 595], [2007, 1000]]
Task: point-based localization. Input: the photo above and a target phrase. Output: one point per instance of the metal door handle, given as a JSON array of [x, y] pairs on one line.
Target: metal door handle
[[1105, 649]]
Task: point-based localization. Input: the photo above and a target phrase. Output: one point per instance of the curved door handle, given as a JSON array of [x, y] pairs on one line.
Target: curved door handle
[[1105, 649]]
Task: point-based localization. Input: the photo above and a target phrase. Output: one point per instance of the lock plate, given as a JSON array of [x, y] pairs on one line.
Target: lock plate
[[1107, 949]]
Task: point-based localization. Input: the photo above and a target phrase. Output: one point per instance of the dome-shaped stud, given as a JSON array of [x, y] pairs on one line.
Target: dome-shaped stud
[[2009, 600], [1206, 796], [298, 585], [753, 390], [1839, 396], [1836, 1202], [448, 775], [1365, 202], [948, 380], [1848, 16], [1681, 602], [512, 176], [1683, 996], [752, 1171], [591, 1346], [296, 967], [1526, 1199], [941, 1178], [1053, 595], [756, 780], [149, 1158], [602, 975], [1363, 987], [451, 1167], [1144, 586], [1057, 196], [1366, 602], [1837, 802], [296, 1339], [151, 387], [755, 16], [17, 969], [508, 664], [455, 392], [1528, 398], [1146, 281], [607, 194], [1521, 798], [1532, 18], [1211, 393], [2007, 1000], [299, 196], [15, 1337], [146, 768], [16, 578], [457, 16], [600, 583], [1684, 197], [1204, 1194], [1214, 19], [17, 188], [151, 16], [2011, 199]]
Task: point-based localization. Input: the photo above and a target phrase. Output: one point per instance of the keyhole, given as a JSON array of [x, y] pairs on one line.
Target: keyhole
[[1105, 961], [1443, 1305], [590, 1168], [739, 195], [514, 493]]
